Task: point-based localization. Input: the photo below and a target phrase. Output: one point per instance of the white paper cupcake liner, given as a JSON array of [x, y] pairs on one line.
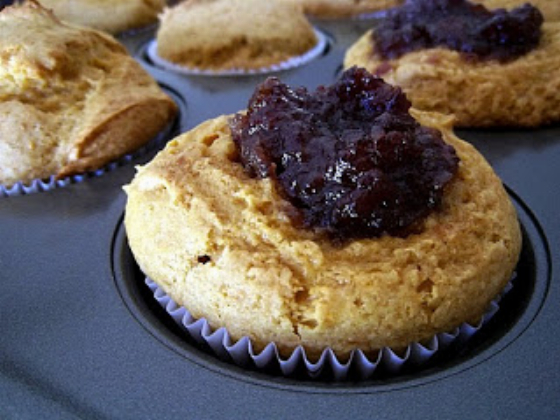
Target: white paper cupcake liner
[[293, 62], [358, 366], [51, 183]]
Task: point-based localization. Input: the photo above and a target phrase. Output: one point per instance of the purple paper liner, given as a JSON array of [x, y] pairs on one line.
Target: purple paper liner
[[291, 63], [358, 366], [51, 183]]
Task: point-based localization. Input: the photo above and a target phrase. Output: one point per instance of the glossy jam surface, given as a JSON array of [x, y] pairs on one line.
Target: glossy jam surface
[[349, 157], [461, 26]]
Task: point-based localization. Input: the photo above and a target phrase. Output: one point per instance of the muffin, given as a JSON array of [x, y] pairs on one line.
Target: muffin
[[107, 15], [235, 247], [505, 73], [344, 8], [233, 34], [71, 98], [549, 8]]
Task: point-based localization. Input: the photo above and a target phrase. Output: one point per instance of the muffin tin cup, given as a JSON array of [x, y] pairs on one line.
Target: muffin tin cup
[[359, 365], [313, 53]]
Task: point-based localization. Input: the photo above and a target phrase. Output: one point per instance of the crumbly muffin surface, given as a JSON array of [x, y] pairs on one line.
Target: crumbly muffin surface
[[233, 34], [107, 15], [221, 244], [71, 98]]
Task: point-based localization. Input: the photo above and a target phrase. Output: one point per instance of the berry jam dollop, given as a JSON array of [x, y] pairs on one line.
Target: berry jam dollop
[[349, 157], [458, 25]]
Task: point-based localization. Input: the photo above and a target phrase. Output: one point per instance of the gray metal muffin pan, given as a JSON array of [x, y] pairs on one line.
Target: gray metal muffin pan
[[82, 338]]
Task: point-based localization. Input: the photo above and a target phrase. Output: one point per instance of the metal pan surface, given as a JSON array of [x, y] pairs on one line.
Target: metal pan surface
[[79, 338]]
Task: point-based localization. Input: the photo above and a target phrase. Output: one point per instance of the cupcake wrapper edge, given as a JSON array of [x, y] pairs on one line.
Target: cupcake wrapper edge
[[363, 366]]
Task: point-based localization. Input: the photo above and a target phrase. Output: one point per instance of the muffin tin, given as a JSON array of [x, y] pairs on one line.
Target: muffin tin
[[82, 337]]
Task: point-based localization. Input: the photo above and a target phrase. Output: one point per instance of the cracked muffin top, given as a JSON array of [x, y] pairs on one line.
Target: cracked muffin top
[[71, 98]]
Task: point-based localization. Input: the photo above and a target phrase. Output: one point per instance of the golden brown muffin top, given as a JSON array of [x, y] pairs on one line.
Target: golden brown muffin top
[[521, 92], [107, 15], [228, 34], [221, 244], [64, 91], [41, 56]]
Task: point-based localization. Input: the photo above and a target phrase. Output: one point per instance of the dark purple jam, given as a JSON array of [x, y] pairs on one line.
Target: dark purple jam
[[349, 157], [458, 25]]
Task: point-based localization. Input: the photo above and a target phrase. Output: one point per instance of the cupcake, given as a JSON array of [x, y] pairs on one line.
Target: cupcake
[[489, 68], [335, 220], [71, 98], [344, 8], [549, 8], [107, 15], [226, 35]]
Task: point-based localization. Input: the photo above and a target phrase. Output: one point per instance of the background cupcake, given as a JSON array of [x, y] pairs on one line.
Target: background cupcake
[[113, 16], [489, 68], [71, 99], [225, 35]]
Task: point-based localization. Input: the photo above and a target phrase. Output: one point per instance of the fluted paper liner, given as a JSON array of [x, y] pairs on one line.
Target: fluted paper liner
[[51, 183], [358, 365], [291, 63]]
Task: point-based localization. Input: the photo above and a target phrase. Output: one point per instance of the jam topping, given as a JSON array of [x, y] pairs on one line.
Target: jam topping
[[349, 157], [461, 26]]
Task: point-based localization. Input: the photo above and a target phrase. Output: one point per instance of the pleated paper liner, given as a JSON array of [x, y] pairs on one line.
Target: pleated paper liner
[[291, 63], [51, 183], [358, 366]]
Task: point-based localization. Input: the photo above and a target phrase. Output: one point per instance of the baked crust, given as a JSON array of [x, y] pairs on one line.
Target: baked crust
[[71, 98], [233, 34], [107, 15], [221, 244], [331, 9], [549, 8], [522, 92]]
